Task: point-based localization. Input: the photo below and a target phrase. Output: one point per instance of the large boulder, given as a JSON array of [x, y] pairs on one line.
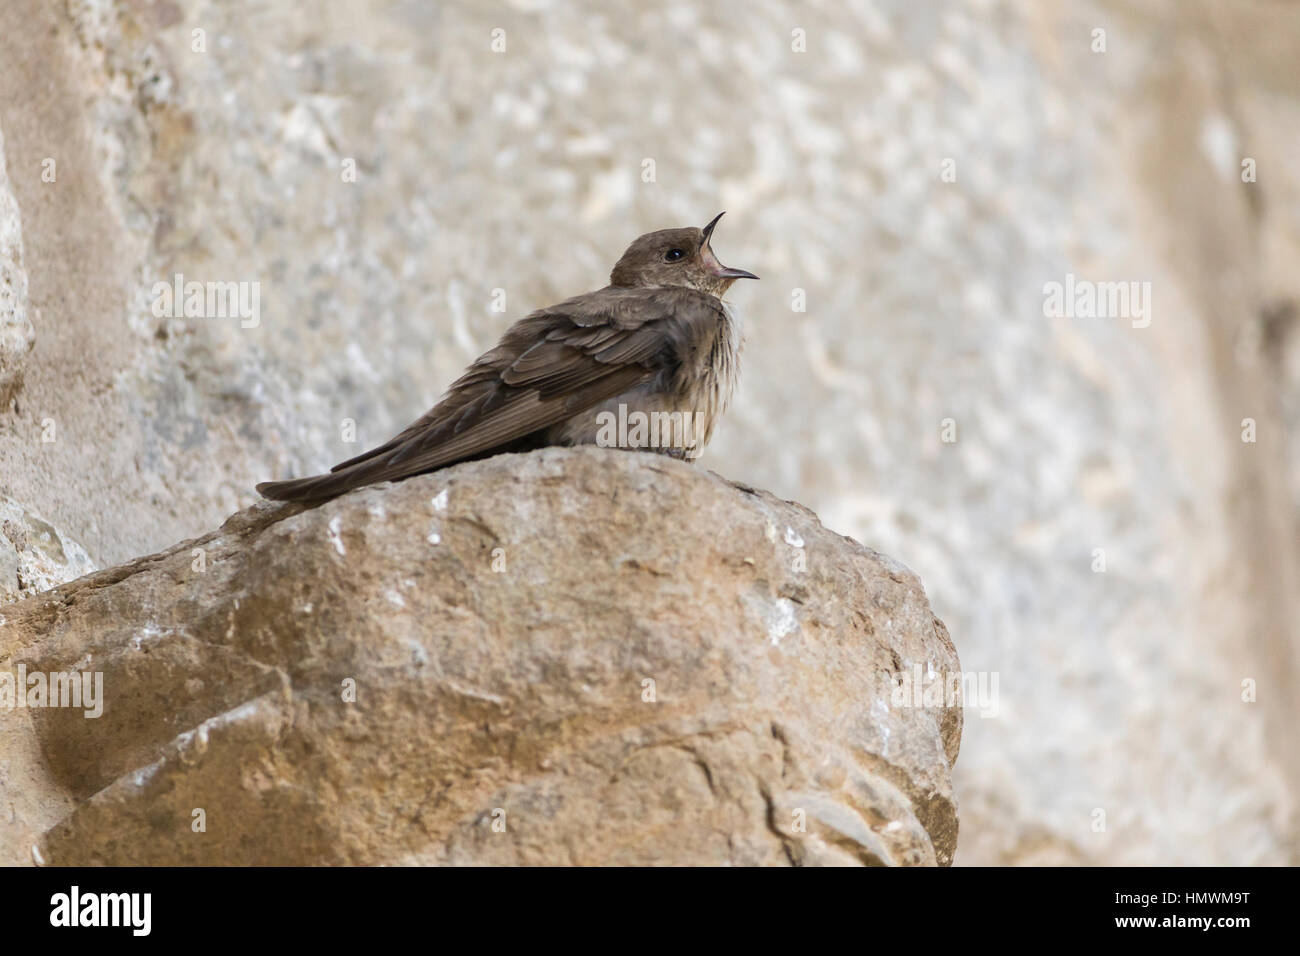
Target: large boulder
[[568, 657]]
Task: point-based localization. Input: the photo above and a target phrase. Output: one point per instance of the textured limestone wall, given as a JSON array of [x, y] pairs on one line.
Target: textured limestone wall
[[522, 171], [16, 332]]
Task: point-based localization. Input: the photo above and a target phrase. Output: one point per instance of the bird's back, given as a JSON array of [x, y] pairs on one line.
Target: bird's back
[[668, 347]]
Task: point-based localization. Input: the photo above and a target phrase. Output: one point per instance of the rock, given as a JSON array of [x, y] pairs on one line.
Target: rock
[[34, 555], [570, 657]]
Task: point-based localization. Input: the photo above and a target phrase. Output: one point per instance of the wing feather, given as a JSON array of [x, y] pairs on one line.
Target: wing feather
[[549, 366]]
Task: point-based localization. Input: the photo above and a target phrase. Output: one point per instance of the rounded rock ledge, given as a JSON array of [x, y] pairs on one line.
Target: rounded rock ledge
[[575, 656]]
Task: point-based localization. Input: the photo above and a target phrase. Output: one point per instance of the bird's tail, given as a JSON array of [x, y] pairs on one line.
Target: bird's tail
[[384, 463], [297, 489], [320, 487]]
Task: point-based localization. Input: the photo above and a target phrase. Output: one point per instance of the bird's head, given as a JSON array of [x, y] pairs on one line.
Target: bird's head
[[676, 257]]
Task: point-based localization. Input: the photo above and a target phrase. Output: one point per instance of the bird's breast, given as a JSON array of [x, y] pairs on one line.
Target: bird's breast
[[707, 385], [674, 413]]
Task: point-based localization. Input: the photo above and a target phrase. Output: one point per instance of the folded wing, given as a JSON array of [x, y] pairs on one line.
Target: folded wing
[[548, 367]]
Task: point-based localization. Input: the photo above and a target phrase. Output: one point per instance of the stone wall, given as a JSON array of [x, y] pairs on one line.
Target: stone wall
[[226, 155]]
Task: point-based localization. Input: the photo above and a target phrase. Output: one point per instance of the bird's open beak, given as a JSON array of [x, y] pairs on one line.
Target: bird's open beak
[[719, 270]]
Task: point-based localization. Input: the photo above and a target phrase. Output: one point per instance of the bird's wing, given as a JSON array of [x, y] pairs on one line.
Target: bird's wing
[[548, 367]]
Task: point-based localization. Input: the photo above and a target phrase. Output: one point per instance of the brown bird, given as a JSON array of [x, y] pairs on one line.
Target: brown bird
[[647, 362]]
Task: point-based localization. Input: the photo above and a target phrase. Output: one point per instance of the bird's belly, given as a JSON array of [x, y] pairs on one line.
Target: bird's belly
[[672, 417], [642, 418]]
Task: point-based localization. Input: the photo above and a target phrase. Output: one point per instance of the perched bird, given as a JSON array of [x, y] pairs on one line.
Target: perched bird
[[657, 345]]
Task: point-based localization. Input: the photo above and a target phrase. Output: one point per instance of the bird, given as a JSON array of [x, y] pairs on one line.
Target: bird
[[656, 345]]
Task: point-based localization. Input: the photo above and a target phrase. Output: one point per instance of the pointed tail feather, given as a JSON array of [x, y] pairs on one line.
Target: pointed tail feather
[[370, 471], [315, 488], [332, 484]]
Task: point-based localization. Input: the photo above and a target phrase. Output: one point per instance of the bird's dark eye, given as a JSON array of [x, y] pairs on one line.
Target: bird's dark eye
[[672, 255]]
